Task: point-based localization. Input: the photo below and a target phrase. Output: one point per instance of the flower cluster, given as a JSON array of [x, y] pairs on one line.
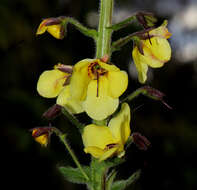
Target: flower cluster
[[94, 86]]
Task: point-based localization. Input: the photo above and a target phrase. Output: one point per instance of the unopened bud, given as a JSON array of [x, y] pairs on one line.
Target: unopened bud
[[54, 26], [42, 135], [140, 141], [154, 94], [64, 68], [52, 112], [146, 19]]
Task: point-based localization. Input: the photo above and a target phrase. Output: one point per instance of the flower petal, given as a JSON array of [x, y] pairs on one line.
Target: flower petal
[[80, 79], [161, 31], [43, 139], [108, 153], [157, 52], [108, 67], [42, 28], [98, 104], [64, 99], [118, 83], [120, 124], [51, 83], [94, 151], [97, 136], [141, 65], [55, 31]]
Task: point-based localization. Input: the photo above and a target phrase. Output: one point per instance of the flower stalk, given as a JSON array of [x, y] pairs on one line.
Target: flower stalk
[[103, 45], [73, 119], [64, 141]]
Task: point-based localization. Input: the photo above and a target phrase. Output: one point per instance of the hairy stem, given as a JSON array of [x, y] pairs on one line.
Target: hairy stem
[[103, 45]]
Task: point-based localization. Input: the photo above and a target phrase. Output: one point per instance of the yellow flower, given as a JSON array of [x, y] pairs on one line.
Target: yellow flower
[[52, 83], [99, 86], [41, 135], [103, 142], [53, 26], [156, 51]]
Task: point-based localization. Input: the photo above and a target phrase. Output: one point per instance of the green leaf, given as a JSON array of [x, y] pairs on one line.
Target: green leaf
[[122, 184], [74, 175]]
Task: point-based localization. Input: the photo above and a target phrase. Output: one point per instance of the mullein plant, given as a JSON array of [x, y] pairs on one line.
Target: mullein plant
[[94, 86]]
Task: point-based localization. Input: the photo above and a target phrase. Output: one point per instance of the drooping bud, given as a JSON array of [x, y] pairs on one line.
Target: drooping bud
[[146, 19], [64, 68], [55, 26], [154, 94], [42, 135], [140, 141], [52, 112]]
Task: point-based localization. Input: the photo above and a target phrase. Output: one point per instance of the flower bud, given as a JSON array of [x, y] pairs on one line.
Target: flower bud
[[140, 141], [64, 68], [52, 112], [154, 94], [54, 26], [42, 135], [146, 19]]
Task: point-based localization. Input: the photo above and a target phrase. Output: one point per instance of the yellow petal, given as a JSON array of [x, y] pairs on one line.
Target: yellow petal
[[108, 153], [161, 31], [157, 52], [108, 67], [120, 124], [98, 104], [64, 99], [141, 65], [55, 31], [94, 151], [42, 28], [43, 139], [80, 79], [97, 136], [51, 83], [118, 83]]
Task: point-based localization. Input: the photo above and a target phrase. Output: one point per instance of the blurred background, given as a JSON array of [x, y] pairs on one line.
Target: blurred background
[[170, 162]]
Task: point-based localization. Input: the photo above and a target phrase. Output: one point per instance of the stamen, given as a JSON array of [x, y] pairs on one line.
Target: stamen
[[109, 146], [97, 78], [149, 38]]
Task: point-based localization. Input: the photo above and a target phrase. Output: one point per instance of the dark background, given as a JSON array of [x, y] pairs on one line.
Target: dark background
[[170, 162]]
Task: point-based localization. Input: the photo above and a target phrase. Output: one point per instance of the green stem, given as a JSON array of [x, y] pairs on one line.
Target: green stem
[[123, 23], [116, 46], [103, 46], [86, 31], [133, 95], [73, 119], [64, 141]]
